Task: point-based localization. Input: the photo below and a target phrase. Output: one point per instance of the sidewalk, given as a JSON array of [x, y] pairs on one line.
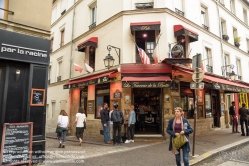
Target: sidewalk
[[206, 145]]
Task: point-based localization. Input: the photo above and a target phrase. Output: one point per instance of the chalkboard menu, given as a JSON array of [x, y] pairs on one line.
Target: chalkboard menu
[[16, 146], [37, 97]]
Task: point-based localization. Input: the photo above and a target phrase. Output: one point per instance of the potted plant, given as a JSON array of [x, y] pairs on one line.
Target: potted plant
[[225, 37], [237, 41]]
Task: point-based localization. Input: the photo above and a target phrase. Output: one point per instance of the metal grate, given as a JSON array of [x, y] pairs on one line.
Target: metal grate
[[205, 27], [179, 12], [92, 25], [148, 5]]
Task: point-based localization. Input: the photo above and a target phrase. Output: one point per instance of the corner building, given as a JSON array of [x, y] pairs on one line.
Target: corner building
[[176, 31]]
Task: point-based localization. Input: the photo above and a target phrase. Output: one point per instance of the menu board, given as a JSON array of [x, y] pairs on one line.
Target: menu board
[[16, 146]]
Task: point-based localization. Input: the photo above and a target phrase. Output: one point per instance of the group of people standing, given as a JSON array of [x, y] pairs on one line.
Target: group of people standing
[[63, 122], [243, 118], [112, 122]]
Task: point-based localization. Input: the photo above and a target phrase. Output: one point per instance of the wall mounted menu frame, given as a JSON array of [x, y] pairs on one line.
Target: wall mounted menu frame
[[37, 97], [16, 142]]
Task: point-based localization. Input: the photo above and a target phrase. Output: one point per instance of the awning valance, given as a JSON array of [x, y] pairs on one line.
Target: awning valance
[[143, 26], [93, 41], [146, 82], [181, 30], [93, 79]]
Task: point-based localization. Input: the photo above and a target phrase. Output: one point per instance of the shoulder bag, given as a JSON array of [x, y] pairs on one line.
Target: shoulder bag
[[179, 141], [58, 128]]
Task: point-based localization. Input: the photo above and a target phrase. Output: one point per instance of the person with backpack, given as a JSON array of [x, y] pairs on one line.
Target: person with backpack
[[117, 117], [243, 119]]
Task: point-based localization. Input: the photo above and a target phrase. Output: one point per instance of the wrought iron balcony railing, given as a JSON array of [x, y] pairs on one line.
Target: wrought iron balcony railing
[[239, 77], [179, 12], [92, 25], [205, 27], [209, 68], [148, 5]]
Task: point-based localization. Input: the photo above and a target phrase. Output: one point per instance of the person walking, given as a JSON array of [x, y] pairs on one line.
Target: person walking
[[104, 115], [63, 123], [234, 118], [131, 125], [243, 120], [79, 121], [118, 119], [176, 126], [110, 126]]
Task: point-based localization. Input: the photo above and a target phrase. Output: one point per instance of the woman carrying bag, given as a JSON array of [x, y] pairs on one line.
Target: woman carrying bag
[[63, 123], [79, 121], [179, 127]]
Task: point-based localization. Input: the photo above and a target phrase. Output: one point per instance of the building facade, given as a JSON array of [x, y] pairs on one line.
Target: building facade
[[85, 32], [24, 61]]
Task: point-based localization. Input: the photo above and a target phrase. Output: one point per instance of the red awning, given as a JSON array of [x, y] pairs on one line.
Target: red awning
[[181, 30], [88, 78], [93, 41], [146, 68], [147, 79], [223, 81], [143, 26]]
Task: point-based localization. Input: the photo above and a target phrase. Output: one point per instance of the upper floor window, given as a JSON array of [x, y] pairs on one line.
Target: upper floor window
[[59, 76], [204, 17], [63, 6], [222, 2], [224, 29], [245, 16], [49, 74], [247, 43], [93, 15], [208, 60], [54, 12], [2, 5], [62, 37], [238, 66], [51, 44], [150, 47], [226, 63], [178, 7], [232, 6]]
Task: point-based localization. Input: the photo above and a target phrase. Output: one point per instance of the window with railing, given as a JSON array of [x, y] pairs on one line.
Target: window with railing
[[204, 17], [179, 12], [238, 67], [232, 6], [227, 63], [224, 29], [245, 16], [59, 70], [148, 5], [93, 15], [247, 43], [63, 6], [178, 7], [208, 60], [62, 37]]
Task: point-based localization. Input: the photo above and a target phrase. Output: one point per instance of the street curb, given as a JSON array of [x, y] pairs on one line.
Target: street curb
[[211, 153]]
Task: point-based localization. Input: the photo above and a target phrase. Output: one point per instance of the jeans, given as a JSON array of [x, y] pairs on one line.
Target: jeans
[[242, 121], [105, 131], [116, 126], [79, 132], [62, 136], [111, 131], [142, 121], [185, 156], [131, 131]]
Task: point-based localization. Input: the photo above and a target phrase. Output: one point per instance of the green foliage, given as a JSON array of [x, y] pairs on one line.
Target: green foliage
[[237, 39]]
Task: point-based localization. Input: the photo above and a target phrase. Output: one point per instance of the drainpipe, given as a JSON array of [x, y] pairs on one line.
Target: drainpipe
[[71, 52]]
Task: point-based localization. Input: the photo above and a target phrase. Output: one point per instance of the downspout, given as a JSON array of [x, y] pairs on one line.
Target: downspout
[[71, 52]]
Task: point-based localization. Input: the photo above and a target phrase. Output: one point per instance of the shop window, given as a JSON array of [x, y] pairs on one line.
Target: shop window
[[102, 96], [208, 106], [83, 99], [243, 99]]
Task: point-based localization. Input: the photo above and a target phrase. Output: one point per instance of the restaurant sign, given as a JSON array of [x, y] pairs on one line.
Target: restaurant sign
[[145, 84], [231, 88], [86, 83]]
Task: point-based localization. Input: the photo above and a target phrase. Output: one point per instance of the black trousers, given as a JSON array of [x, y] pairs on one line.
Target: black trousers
[[242, 121], [116, 126], [131, 131], [79, 132]]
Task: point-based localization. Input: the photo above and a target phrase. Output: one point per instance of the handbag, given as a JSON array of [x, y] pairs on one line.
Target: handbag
[[179, 141], [58, 129], [84, 122]]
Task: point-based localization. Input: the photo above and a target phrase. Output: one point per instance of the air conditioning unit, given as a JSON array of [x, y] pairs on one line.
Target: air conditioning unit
[[58, 78]]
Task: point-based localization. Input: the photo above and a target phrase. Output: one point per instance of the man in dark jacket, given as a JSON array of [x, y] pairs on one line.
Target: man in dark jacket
[[233, 117], [104, 115], [243, 119], [118, 119]]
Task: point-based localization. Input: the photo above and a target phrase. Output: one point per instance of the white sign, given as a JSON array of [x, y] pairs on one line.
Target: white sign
[[198, 75], [193, 85]]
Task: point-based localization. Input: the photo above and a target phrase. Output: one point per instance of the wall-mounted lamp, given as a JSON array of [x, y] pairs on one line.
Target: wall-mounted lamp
[[109, 60], [18, 72], [232, 75]]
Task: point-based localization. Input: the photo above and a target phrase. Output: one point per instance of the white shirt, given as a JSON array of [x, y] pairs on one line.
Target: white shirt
[[80, 119], [62, 121], [110, 114]]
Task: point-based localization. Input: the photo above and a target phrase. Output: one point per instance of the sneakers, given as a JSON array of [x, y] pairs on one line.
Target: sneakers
[[132, 140], [127, 141]]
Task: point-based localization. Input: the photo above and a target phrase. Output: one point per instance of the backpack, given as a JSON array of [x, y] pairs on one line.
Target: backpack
[[117, 117]]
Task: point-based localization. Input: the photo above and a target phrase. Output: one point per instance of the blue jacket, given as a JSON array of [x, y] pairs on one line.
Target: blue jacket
[[132, 118], [171, 132]]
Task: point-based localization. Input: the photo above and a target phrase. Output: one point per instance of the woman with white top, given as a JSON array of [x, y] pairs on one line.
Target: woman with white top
[[63, 123], [79, 121]]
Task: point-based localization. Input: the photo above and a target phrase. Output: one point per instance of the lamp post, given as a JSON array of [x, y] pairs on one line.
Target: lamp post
[[109, 60], [232, 75]]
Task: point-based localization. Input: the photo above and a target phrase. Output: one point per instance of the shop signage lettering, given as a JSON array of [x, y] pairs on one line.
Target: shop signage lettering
[[229, 88], [23, 50], [105, 79], [191, 34], [216, 86], [145, 84], [145, 27]]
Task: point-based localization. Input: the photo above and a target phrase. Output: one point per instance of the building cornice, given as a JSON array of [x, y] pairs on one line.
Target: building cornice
[[156, 10]]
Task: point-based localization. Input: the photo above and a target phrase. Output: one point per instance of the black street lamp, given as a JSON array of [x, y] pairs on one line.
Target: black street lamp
[[109, 60], [232, 75]]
